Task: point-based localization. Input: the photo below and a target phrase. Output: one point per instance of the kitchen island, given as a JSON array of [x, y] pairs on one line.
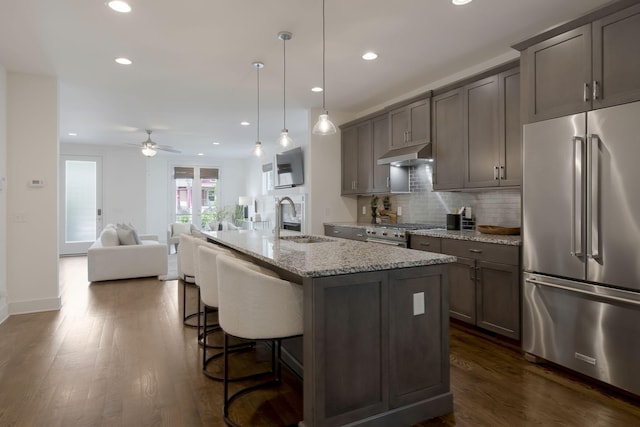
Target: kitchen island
[[375, 350]]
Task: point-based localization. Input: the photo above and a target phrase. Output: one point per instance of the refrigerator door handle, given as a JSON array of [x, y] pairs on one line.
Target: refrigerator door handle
[[600, 296], [577, 245], [593, 160]]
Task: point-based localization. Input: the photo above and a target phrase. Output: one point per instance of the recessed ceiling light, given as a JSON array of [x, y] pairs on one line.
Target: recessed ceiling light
[[369, 56], [460, 2], [244, 123], [73, 134], [216, 143], [200, 154], [119, 6], [316, 89], [123, 61]]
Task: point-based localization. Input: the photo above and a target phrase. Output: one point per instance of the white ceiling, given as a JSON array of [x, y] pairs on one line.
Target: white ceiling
[[192, 81]]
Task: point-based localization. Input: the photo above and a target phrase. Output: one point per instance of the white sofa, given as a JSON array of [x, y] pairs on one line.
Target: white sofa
[[110, 260]]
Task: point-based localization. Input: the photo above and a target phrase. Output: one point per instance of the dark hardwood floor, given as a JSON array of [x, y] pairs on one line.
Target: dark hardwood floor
[[117, 354]]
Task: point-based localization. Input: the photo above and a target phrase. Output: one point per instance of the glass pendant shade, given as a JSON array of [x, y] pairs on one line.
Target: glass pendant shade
[[285, 140], [257, 150], [149, 152], [324, 126]]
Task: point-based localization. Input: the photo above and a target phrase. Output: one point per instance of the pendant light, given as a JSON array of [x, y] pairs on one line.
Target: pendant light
[[324, 125], [257, 150], [284, 140]]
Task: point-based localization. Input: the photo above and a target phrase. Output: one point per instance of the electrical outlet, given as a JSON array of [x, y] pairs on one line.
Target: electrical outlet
[[418, 303], [399, 210]]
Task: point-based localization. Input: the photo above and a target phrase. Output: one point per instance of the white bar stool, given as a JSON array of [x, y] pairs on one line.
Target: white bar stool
[[187, 274], [255, 305]]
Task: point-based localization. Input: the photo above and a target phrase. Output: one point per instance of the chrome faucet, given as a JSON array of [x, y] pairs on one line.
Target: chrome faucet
[[279, 214]]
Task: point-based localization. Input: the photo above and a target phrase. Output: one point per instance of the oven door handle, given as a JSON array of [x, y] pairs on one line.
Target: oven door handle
[[387, 242]]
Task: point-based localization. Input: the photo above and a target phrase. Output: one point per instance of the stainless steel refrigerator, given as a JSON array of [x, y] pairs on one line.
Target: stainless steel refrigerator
[[581, 237]]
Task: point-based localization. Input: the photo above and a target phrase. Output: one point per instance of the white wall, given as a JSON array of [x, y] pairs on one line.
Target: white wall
[[4, 308], [326, 204], [32, 213]]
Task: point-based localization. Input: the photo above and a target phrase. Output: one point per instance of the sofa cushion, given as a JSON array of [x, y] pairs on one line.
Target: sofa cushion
[[178, 228], [109, 237]]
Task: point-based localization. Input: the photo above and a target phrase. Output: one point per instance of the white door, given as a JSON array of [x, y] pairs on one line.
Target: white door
[[80, 203]]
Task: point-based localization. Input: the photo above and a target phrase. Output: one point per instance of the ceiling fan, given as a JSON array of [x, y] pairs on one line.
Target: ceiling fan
[[149, 147]]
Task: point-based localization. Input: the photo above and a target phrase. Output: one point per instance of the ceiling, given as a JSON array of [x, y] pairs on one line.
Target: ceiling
[[192, 82]]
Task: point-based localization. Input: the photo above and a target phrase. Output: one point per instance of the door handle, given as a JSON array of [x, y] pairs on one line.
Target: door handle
[[585, 92], [99, 212], [594, 191], [577, 210]]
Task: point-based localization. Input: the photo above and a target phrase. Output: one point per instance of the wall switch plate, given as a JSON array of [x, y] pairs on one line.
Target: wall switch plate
[[364, 210], [399, 210], [418, 303]]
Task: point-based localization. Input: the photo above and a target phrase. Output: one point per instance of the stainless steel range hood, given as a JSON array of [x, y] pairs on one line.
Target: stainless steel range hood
[[407, 156]]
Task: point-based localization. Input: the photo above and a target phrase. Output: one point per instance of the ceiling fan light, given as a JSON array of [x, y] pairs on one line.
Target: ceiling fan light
[[257, 150], [285, 140], [149, 152], [324, 126]]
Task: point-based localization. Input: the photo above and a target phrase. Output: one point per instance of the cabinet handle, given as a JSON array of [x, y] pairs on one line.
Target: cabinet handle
[[336, 232], [408, 136], [388, 185], [502, 175], [475, 251], [495, 173], [405, 136], [595, 90], [585, 92], [425, 244], [472, 275], [359, 235]]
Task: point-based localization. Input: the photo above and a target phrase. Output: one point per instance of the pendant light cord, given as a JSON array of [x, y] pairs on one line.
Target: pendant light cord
[[258, 126], [323, 61], [284, 84]]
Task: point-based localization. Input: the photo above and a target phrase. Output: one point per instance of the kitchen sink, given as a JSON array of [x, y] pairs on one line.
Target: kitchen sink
[[306, 239]]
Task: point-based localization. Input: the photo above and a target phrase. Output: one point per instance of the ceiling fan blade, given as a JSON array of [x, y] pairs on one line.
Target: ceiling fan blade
[[166, 148]]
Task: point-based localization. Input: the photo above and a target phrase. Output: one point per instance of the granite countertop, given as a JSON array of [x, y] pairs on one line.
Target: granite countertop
[[471, 235], [329, 257]]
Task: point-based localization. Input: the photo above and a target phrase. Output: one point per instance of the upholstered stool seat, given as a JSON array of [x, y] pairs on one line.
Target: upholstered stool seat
[[187, 273], [255, 304]]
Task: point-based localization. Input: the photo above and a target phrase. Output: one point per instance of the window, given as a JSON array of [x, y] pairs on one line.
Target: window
[[190, 181]]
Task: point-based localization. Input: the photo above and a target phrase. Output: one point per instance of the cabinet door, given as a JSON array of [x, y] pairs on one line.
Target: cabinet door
[[559, 75], [420, 122], [380, 146], [462, 290], [349, 139], [616, 58], [510, 129], [481, 133], [448, 151], [498, 298], [398, 127], [365, 159]]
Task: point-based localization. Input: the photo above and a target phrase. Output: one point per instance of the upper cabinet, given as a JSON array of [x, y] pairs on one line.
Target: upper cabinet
[[410, 124], [362, 144], [595, 65], [477, 134]]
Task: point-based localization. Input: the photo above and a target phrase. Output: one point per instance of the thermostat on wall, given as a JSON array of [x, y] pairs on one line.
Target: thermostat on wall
[[36, 183]]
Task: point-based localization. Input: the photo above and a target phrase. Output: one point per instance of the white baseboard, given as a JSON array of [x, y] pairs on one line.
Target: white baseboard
[[4, 313], [35, 306]]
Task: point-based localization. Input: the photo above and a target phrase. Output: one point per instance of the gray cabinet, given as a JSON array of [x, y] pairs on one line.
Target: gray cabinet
[[484, 282], [345, 232], [381, 177], [362, 144], [448, 144], [357, 173], [596, 65], [410, 124]]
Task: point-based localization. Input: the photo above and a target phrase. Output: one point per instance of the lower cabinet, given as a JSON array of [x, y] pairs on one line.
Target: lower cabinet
[[484, 283]]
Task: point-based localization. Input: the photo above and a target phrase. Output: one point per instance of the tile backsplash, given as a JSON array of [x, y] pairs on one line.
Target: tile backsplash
[[422, 204]]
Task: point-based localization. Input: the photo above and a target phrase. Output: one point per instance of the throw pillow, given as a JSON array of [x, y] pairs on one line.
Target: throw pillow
[[109, 237], [180, 228], [126, 237], [133, 234]]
